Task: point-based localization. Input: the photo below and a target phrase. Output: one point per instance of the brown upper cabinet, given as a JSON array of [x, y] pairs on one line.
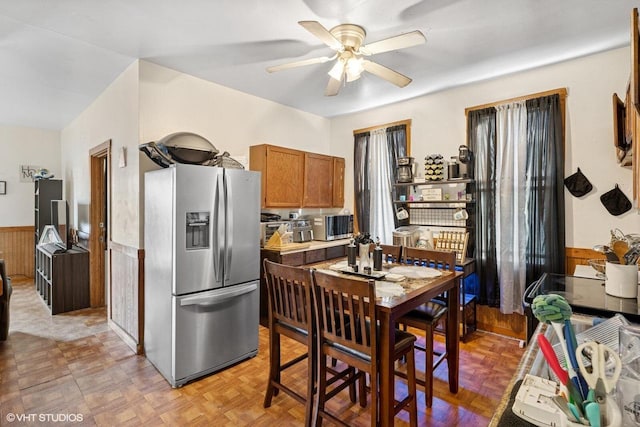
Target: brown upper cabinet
[[338, 182], [634, 83], [282, 172], [294, 178], [318, 181]]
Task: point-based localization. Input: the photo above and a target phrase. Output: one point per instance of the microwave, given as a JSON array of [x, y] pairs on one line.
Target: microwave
[[332, 227], [267, 229]]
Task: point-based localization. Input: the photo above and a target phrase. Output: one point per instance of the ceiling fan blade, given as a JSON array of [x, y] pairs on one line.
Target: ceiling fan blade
[[333, 87], [386, 73], [302, 63], [322, 33], [402, 41]]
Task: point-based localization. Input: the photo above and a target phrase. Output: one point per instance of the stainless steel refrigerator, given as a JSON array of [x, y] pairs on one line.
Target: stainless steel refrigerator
[[202, 267]]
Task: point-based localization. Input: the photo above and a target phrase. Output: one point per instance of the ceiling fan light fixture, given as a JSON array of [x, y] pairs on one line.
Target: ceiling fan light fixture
[[337, 70], [354, 68], [349, 51]]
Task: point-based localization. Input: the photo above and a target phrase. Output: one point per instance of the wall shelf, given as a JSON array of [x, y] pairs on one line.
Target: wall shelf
[[436, 202], [439, 213], [45, 190], [442, 182], [62, 279]]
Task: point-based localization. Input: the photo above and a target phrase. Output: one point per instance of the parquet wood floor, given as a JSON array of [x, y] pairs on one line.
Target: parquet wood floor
[[73, 367]]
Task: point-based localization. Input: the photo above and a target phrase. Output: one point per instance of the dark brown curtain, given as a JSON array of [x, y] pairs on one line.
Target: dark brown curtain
[[362, 190], [545, 185], [397, 141], [482, 144]]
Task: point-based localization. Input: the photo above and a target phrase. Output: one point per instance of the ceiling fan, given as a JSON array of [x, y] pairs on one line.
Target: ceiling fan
[[346, 40]]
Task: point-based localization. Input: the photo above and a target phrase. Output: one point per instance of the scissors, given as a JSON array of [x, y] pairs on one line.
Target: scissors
[[601, 377], [605, 367]]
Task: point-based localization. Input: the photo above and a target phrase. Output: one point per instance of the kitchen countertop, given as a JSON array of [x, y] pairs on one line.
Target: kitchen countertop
[[586, 296], [531, 362], [588, 299], [589, 273], [313, 245]]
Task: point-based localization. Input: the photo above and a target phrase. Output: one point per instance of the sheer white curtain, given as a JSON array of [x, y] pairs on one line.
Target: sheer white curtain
[[511, 221], [380, 175]]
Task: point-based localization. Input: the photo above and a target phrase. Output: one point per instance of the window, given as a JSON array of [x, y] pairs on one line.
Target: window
[[376, 153]]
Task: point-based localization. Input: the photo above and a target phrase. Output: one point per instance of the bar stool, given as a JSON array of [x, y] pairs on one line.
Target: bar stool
[[290, 314], [5, 298], [427, 316], [339, 299]]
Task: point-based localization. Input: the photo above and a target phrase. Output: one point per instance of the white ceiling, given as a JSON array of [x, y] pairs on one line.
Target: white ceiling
[[57, 56]]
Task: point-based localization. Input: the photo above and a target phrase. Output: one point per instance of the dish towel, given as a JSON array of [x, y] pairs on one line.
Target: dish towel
[[388, 289]]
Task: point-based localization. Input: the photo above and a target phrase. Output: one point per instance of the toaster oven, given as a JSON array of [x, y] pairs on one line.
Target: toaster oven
[[332, 227]]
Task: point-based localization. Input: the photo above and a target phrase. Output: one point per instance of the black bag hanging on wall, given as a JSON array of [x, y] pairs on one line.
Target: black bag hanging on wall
[[578, 184], [615, 201]]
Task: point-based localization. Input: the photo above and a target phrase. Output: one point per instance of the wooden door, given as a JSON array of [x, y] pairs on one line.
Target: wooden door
[[98, 237], [635, 107], [338, 182], [318, 181]]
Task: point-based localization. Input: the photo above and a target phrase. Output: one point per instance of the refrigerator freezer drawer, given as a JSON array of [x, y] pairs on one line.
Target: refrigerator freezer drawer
[[214, 329]]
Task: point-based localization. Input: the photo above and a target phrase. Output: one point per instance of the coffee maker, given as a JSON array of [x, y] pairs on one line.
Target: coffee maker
[[405, 169], [465, 159]]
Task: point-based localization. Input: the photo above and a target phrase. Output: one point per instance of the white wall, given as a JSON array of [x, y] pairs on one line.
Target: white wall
[[171, 101], [148, 102], [439, 126], [113, 115], [24, 146]]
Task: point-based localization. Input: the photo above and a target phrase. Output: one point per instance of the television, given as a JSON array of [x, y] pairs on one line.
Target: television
[[60, 220], [83, 225]]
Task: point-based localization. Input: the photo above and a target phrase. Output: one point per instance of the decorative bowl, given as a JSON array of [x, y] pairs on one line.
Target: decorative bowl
[[598, 265]]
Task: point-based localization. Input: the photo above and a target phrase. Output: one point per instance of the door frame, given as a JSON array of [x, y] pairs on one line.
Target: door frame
[[100, 194]]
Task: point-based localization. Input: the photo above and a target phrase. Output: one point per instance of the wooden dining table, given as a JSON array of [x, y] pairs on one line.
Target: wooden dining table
[[390, 309]]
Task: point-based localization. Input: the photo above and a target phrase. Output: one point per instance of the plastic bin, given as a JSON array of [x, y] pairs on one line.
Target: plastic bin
[[406, 235]]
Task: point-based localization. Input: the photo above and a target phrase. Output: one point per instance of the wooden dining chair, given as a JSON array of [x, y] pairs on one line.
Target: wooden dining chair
[[390, 253], [350, 303], [290, 313], [427, 316], [5, 298]]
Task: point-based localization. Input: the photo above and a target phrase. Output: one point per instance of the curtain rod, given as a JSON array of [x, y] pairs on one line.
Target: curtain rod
[[560, 91], [372, 128]]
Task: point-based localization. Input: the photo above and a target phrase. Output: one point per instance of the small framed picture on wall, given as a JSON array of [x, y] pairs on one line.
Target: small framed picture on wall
[[3, 187]]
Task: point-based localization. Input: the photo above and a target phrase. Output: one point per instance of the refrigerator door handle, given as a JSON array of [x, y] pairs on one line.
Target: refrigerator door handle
[[228, 196], [215, 239], [219, 297]]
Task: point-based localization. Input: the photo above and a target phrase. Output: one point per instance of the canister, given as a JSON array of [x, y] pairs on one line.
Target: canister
[[622, 280], [351, 253], [406, 236], [453, 169], [377, 257]]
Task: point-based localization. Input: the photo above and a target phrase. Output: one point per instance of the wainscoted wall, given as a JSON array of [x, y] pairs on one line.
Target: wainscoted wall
[[511, 325], [126, 305], [579, 256], [514, 325], [17, 247]]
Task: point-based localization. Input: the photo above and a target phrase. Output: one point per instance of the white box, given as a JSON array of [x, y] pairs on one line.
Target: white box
[[431, 194]]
